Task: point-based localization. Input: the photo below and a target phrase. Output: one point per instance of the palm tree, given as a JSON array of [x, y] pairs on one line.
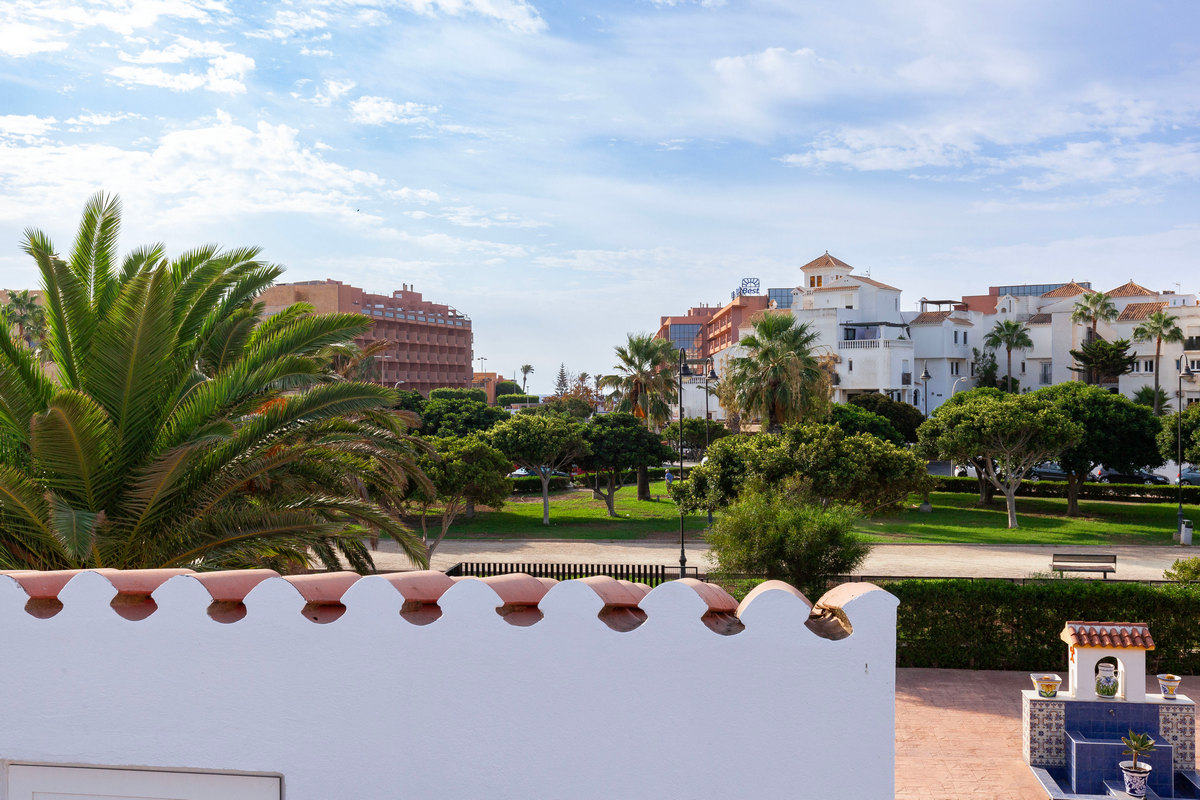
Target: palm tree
[[1093, 309], [525, 370], [1154, 397], [779, 378], [643, 383], [183, 428], [1010, 335], [1161, 327], [23, 311]]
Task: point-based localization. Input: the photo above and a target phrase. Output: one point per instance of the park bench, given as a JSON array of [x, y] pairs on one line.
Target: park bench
[[1083, 562]]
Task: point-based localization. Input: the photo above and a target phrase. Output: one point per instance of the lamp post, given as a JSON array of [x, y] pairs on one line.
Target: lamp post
[[683, 370], [709, 374], [954, 388], [925, 376], [1184, 372]]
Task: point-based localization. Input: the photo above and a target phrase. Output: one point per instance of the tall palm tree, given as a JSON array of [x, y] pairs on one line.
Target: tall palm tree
[[23, 311], [1093, 309], [643, 383], [525, 370], [1161, 327], [1010, 335], [779, 377], [184, 428]]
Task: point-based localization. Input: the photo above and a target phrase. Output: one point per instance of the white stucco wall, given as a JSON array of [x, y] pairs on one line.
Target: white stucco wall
[[469, 706]]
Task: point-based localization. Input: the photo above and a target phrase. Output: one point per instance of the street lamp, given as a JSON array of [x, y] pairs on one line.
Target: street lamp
[[954, 388], [709, 374], [1184, 372], [925, 376], [683, 370]]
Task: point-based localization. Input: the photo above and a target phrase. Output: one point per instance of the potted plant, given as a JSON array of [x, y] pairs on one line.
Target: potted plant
[[1136, 775]]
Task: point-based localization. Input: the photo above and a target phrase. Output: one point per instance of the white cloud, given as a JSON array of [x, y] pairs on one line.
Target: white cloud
[[415, 195], [331, 91], [287, 22], [225, 75], [452, 245], [518, 15], [21, 39], [368, 110], [25, 125], [471, 217], [182, 49], [90, 120]]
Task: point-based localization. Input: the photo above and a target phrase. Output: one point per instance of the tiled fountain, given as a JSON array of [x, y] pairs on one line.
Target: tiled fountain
[[1072, 740]]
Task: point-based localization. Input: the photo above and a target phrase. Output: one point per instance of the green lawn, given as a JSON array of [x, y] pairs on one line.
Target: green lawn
[[575, 515], [1042, 521]]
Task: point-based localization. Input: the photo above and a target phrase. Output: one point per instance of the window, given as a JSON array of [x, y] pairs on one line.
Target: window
[[1148, 366], [965, 337], [954, 367], [956, 337], [819, 277], [1047, 375], [812, 282], [850, 365], [1022, 367], [1135, 367], [972, 369]]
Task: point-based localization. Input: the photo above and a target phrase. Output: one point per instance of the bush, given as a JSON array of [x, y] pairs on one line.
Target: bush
[[508, 387], [854, 419], [509, 399], [1184, 570], [962, 624], [1124, 492], [454, 393], [771, 533]]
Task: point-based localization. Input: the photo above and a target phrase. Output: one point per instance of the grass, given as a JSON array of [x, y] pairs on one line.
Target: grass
[[1042, 521], [575, 515]]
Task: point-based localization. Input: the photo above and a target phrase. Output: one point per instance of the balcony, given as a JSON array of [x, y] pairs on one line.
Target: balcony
[[906, 379], [875, 344], [1191, 343]]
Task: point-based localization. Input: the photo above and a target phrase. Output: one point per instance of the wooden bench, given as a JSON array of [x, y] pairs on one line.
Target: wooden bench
[[1083, 562]]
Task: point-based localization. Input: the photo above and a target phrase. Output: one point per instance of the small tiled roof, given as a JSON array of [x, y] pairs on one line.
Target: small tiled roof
[[1038, 319], [874, 283], [929, 318], [1123, 635], [827, 261], [839, 288], [1135, 312], [966, 323], [1131, 289], [1067, 290]]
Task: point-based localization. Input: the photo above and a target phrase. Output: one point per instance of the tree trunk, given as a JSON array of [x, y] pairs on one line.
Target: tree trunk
[[1008, 377], [1010, 497], [610, 497], [986, 490], [643, 480], [545, 496], [1157, 355], [1074, 481], [469, 510]]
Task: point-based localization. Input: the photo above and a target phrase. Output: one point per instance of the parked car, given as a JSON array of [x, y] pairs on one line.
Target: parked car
[[522, 473], [1048, 471], [1106, 475], [1190, 476]]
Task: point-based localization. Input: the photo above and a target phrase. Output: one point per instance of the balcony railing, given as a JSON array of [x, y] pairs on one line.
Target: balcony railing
[[867, 344], [906, 379], [1191, 343]]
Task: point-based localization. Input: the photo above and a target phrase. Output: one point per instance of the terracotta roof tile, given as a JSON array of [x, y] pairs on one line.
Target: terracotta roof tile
[[1131, 289], [1135, 312], [930, 318], [1067, 290], [1039, 319], [1121, 635], [839, 288], [827, 261], [875, 283]]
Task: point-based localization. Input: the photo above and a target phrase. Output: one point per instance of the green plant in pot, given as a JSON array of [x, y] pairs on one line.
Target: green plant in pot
[[1136, 774]]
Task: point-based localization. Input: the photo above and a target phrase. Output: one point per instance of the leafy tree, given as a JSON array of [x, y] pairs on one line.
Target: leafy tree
[[458, 393], [463, 471], [778, 379], [1011, 335], [854, 419], [505, 400], [1115, 432], [904, 417], [1155, 398], [694, 433], [568, 406], [1168, 439], [23, 311], [562, 384], [526, 369], [643, 383], [777, 534], [832, 467], [1101, 359], [619, 443], [965, 452], [410, 400], [449, 416], [183, 428], [1161, 327], [507, 387], [541, 444], [986, 371], [1008, 435]]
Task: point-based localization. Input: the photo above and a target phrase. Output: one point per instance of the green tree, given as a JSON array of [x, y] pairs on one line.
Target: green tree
[[541, 444], [778, 379], [410, 400], [619, 443], [1101, 359], [1094, 308], [1168, 435], [447, 416], [965, 452], [183, 428], [562, 384], [1006, 435], [458, 393], [570, 406], [1011, 335], [643, 383], [1115, 432], [855, 419], [904, 417], [1156, 399], [505, 400], [1159, 327], [463, 471], [23, 311], [694, 433], [507, 387], [776, 534], [526, 369]]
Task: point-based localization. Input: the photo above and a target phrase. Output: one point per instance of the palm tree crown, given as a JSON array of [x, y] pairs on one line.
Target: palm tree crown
[[182, 427], [525, 370], [1093, 309], [778, 378], [23, 311], [1011, 335], [1160, 327], [643, 381]]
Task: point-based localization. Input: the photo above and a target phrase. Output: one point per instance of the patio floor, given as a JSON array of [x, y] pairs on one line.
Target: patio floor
[[958, 734]]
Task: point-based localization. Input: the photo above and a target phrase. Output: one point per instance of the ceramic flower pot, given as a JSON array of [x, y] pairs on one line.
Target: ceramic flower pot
[[1106, 680], [1135, 779], [1046, 683], [1168, 684]]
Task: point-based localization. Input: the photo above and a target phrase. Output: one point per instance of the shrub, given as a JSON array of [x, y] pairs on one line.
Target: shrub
[[1124, 492], [454, 393], [509, 399], [854, 419], [533, 484], [507, 387], [1184, 570]]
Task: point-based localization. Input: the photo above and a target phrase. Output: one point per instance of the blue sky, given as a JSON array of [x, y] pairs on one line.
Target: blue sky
[[565, 172]]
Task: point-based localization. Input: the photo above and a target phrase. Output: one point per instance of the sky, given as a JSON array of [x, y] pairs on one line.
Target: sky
[[567, 172]]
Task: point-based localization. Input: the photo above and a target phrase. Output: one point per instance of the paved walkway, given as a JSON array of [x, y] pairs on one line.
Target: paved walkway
[[927, 560]]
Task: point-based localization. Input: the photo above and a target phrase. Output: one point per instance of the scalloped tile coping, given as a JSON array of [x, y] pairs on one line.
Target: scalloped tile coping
[[519, 596]]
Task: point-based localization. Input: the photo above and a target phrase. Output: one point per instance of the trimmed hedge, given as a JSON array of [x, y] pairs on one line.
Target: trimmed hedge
[[1127, 492], [509, 399], [960, 624], [533, 484]]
